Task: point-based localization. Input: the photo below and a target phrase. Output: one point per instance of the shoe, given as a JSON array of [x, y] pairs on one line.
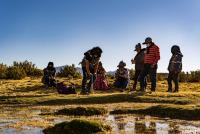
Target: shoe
[[169, 90], [175, 91], [83, 93], [142, 90]]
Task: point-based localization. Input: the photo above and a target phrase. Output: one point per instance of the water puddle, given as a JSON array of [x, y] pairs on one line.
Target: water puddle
[[138, 124], [121, 124]]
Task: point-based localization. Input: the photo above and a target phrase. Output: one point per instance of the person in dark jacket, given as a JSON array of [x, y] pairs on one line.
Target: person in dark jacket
[[90, 65], [151, 58], [49, 75], [139, 64], [174, 68]]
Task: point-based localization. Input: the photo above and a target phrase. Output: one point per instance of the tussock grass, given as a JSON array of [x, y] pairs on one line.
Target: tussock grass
[[78, 127], [82, 111], [172, 111]]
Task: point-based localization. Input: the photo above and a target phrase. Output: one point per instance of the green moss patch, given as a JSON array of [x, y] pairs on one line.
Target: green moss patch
[[78, 127], [82, 111], [171, 111]]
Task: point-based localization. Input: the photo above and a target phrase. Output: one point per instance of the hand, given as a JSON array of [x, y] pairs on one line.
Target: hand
[[133, 61], [94, 75], [89, 75], [153, 65]]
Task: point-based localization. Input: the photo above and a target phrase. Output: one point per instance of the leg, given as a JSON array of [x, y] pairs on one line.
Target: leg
[[169, 80], [92, 81], [53, 83], [176, 82], [84, 81], [137, 73], [145, 82], [153, 74], [125, 84], [142, 77]]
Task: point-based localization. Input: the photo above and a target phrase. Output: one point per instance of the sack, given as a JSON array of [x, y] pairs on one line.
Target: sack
[[62, 89]]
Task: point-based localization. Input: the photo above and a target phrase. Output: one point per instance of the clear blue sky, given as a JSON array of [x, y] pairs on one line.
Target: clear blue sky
[[62, 30]]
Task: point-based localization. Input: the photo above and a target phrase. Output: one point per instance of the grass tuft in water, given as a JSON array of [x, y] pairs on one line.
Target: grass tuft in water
[[78, 127], [82, 111]]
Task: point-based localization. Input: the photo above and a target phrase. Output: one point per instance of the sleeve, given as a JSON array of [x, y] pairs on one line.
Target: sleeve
[[178, 64], [127, 74], [157, 55], [54, 72], [116, 74]]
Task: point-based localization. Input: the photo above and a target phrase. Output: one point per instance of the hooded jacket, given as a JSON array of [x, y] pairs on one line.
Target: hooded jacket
[[175, 63]]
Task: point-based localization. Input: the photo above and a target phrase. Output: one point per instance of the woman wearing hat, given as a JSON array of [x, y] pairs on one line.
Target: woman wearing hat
[[122, 76]]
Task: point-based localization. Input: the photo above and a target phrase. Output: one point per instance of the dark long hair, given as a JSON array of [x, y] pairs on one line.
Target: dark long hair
[[175, 49]]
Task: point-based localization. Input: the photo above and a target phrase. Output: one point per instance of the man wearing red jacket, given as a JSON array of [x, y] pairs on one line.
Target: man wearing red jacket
[[151, 58]]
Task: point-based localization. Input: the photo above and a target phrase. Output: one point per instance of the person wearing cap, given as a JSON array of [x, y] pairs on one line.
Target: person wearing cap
[[139, 64], [49, 75], [151, 58], [174, 68], [122, 76]]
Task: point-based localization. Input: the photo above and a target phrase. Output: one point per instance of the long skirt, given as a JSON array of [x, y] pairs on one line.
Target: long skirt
[[101, 83]]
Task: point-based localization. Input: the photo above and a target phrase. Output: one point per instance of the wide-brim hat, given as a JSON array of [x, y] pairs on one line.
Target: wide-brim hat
[[121, 64]]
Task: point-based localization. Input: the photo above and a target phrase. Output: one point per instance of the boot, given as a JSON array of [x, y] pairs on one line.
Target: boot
[[169, 90], [176, 90], [153, 89]]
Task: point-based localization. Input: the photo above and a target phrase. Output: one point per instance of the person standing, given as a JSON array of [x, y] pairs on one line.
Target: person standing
[[139, 64], [174, 68], [151, 58], [90, 65]]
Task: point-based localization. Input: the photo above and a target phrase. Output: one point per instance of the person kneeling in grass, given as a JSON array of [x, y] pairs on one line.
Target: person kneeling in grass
[[175, 67], [122, 76], [101, 82], [49, 75]]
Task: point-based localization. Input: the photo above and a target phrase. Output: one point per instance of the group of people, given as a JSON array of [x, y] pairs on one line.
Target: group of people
[[146, 63]]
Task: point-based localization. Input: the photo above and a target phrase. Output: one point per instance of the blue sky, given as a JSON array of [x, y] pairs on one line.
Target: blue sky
[[62, 30]]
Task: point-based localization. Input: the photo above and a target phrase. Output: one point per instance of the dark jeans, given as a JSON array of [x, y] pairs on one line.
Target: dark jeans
[[121, 83], [152, 72], [85, 84], [137, 74], [175, 78]]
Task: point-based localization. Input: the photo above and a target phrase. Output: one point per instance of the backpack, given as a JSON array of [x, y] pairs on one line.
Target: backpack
[[63, 89]]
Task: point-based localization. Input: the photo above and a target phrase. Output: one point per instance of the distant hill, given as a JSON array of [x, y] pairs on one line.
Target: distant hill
[[111, 73], [58, 69]]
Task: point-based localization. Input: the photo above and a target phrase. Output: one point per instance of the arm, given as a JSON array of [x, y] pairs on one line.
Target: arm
[[178, 64], [157, 55], [133, 61], [96, 67], [87, 67]]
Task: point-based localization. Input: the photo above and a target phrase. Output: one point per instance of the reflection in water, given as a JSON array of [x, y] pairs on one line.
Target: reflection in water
[[121, 124], [148, 125]]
